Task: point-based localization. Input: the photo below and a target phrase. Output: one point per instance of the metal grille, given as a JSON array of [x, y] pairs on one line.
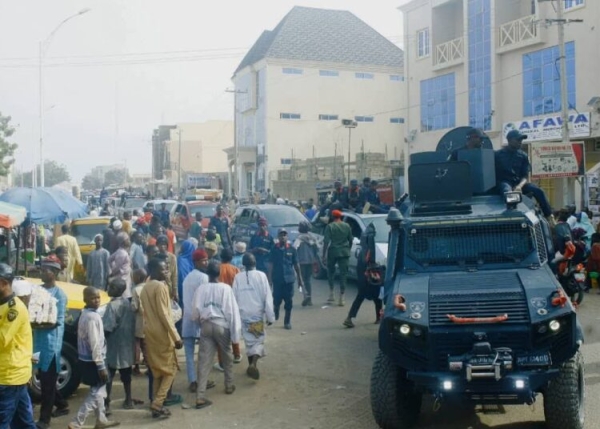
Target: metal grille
[[473, 244], [540, 243]]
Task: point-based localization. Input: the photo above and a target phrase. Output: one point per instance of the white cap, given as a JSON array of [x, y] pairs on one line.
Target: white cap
[[117, 225]]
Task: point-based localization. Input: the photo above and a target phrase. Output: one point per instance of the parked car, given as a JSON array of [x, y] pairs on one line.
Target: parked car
[[69, 375], [245, 223], [131, 204], [155, 204], [358, 223], [183, 215], [84, 230]]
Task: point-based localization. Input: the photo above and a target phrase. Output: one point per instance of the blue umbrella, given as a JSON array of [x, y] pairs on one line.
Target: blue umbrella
[[46, 205]]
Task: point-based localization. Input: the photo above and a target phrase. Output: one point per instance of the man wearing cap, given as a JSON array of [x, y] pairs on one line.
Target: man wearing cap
[[239, 248], [373, 199], [512, 170], [283, 272], [163, 215], [48, 342], [120, 263], [72, 247], [196, 228], [261, 245], [475, 138], [336, 251], [16, 410], [190, 331], [364, 190]]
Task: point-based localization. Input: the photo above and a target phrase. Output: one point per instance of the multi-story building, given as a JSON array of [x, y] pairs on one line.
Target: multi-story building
[[202, 149], [299, 81], [100, 170], [494, 64]]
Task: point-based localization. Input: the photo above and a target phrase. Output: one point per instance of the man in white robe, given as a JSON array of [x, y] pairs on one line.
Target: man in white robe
[[215, 307], [255, 301]]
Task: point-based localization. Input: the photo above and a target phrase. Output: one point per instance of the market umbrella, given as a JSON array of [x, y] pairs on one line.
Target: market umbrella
[[11, 215], [45, 205]]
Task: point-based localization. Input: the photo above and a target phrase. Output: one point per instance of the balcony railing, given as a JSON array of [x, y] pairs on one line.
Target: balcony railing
[[449, 53], [518, 33]]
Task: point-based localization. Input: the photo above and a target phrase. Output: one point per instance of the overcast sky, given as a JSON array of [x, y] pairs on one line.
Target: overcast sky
[[104, 93]]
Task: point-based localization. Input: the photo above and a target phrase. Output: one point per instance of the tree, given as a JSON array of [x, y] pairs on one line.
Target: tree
[[116, 177], [6, 149], [54, 173], [90, 182]]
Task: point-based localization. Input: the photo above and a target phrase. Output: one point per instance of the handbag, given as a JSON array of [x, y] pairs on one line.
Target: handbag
[[176, 312]]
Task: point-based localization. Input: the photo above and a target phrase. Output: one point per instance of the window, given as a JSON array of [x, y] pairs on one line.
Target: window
[[290, 70], [480, 64], [364, 119], [331, 73], [289, 116], [396, 78], [438, 103], [541, 80], [396, 120], [364, 75], [328, 117], [423, 43], [569, 4]]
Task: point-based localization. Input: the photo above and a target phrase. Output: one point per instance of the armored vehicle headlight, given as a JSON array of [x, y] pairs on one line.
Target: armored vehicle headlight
[[554, 325], [520, 384], [405, 329], [447, 385], [513, 197]]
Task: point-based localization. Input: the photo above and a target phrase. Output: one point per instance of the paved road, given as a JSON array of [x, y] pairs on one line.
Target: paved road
[[317, 376]]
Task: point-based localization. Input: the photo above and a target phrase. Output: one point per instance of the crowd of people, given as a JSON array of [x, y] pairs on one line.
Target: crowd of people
[[206, 298]]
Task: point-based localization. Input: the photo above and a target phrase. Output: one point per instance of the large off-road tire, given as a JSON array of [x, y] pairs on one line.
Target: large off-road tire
[[564, 398], [394, 401]]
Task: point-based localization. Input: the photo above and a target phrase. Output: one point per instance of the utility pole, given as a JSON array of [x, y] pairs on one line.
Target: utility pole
[[179, 163], [350, 124], [236, 144], [335, 162]]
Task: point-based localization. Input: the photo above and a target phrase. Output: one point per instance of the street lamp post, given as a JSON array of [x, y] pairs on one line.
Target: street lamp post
[[349, 123], [179, 164], [41, 53]]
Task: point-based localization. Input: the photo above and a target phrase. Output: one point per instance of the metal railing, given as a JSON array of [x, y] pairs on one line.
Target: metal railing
[[518, 31], [450, 52]]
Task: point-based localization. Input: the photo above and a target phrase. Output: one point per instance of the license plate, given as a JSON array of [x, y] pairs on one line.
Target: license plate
[[580, 277], [482, 360], [539, 359]]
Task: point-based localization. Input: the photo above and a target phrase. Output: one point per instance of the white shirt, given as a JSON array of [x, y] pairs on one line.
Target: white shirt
[[215, 302], [191, 328], [253, 294]]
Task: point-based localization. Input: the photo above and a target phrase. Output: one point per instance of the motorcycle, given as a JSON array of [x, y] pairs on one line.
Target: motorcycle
[[573, 281]]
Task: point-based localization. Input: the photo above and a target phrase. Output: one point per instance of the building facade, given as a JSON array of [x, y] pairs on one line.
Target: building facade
[[494, 65], [202, 150], [300, 80]]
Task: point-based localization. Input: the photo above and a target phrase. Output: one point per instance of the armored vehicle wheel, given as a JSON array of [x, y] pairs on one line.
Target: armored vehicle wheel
[[564, 398], [394, 401]]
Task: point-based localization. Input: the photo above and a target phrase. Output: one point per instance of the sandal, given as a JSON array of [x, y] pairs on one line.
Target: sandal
[[163, 413], [230, 389], [210, 384], [203, 404]]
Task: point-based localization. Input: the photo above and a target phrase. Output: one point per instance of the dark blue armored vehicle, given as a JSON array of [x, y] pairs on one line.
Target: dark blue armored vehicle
[[473, 309]]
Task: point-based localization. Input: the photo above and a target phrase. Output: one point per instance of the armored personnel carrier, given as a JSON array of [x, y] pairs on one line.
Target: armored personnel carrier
[[473, 309]]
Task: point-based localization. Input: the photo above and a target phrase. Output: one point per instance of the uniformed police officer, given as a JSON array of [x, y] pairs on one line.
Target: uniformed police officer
[[336, 251], [16, 347], [284, 270], [353, 199], [261, 245]]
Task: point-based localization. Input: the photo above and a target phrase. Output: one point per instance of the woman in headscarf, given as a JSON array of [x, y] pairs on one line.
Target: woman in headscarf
[[185, 264], [583, 222]]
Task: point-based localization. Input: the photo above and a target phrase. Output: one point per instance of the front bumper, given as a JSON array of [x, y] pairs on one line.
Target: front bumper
[[516, 387]]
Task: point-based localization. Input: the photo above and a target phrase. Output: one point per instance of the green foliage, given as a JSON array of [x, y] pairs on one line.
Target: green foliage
[[116, 177], [7, 149], [54, 173], [90, 182]]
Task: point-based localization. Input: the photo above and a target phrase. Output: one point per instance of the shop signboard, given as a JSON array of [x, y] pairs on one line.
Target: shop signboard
[[551, 160], [544, 128]]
